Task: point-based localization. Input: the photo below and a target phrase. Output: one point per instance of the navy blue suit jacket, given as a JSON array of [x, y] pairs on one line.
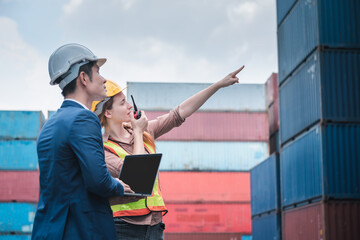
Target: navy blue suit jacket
[[74, 180]]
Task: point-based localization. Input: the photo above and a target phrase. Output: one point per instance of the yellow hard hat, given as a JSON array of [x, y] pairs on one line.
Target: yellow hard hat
[[112, 89]]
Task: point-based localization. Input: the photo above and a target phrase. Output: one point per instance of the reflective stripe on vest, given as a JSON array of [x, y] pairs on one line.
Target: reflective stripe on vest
[[154, 203]]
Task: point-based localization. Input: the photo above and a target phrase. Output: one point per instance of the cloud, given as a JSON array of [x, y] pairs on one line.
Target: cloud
[[243, 11], [24, 80], [71, 6]]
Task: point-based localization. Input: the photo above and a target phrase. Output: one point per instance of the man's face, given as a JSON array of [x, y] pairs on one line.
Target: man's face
[[97, 87]]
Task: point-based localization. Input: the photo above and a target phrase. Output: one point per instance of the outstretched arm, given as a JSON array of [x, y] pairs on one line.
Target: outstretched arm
[[193, 103]]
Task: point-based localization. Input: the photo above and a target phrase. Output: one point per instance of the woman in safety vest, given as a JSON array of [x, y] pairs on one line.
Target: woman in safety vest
[[136, 217]]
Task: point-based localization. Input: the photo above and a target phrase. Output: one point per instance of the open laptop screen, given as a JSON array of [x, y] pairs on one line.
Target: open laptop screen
[[139, 172]]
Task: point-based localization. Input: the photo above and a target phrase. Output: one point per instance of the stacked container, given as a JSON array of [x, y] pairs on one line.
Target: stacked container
[[272, 103], [204, 172], [265, 199], [319, 79], [19, 175]]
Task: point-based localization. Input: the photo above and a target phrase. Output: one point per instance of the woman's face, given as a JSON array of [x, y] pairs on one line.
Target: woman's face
[[121, 109]]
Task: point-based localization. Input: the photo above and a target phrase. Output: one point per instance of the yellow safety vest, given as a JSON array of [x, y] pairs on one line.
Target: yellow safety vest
[[154, 203]]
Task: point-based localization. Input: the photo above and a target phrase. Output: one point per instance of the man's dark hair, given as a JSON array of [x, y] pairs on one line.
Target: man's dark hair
[[71, 87]]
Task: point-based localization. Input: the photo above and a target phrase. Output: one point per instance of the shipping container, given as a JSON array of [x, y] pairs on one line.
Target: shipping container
[[203, 236], [18, 155], [272, 89], [19, 186], [208, 217], [193, 187], [166, 96], [20, 124], [50, 113], [274, 121], [274, 143], [325, 87], [246, 237], [17, 217], [282, 9], [218, 126], [15, 237], [333, 220], [267, 226], [265, 186], [210, 156], [312, 23], [322, 163]]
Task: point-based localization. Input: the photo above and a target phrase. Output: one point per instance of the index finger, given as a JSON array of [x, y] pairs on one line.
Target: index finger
[[233, 74]]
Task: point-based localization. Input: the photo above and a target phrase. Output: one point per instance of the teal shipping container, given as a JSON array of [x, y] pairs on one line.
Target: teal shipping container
[[322, 163], [166, 96], [20, 124], [15, 237], [17, 218], [210, 156], [18, 155]]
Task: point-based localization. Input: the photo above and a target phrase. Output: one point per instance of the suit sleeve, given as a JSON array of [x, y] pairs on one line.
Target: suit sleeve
[[86, 141]]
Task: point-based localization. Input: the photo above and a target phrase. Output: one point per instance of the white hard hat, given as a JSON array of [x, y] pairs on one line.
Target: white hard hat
[[65, 62]]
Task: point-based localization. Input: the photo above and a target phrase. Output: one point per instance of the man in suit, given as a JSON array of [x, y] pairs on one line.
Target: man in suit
[[74, 180]]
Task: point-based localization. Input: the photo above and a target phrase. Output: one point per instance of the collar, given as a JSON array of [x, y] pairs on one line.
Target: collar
[[70, 99]]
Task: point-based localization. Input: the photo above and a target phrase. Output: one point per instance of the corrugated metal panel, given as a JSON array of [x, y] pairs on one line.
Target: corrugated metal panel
[[265, 186], [330, 221], [267, 227], [274, 121], [230, 217], [18, 155], [272, 89], [282, 8], [19, 186], [211, 156], [17, 217], [15, 237], [205, 186], [219, 126], [20, 124], [166, 96], [202, 236], [314, 23], [323, 162], [326, 87]]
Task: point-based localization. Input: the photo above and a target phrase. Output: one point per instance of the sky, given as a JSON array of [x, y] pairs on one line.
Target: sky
[[197, 41]]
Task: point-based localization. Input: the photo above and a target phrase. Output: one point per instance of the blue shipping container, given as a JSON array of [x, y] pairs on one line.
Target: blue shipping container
[[18, 155], [265, 186], [267, 227], [326, 87], [15, 237], [166, 96], [312, 23], [321, 163], [282, 8], [210, 156], [17, 217], [20, 124], [246, 237]]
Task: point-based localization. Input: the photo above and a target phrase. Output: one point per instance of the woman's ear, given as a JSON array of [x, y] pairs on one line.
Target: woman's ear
[[107, 114]]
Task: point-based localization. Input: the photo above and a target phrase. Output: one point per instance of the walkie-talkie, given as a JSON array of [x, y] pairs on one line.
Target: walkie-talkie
[[137, 113]]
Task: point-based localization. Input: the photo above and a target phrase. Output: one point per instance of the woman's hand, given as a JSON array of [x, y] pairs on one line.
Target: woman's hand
[[139, 125], [230, 79]]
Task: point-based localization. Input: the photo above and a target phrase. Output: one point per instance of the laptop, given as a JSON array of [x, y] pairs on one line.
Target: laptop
[[139, 172]]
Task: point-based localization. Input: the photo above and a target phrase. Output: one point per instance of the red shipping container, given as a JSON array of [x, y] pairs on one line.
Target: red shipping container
[[219, 126], [274, 121], [272, 89], [205, 186], [19, 186], [332, 220], [202, 236], [208, 217]]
